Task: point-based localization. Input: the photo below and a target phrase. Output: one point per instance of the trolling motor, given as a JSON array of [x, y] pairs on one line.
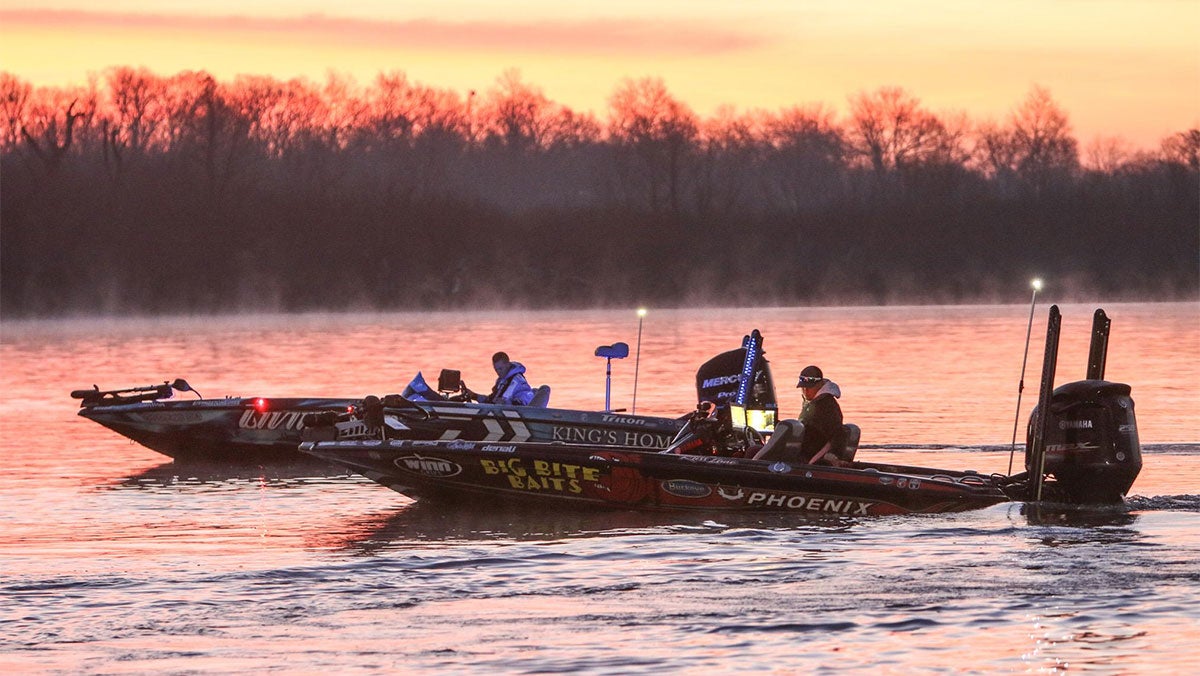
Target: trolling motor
[[1082, 434], [131, 395]]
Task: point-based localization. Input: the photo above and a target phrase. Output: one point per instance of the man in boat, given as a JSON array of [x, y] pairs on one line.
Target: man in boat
[[511, 386], [824, 437]]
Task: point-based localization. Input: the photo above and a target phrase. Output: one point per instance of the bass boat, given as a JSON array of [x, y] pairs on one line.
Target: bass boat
[[1081, 447], [269, 429]]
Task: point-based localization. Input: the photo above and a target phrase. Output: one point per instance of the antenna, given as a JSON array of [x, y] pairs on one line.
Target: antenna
[[637, 360], [1037, 286]]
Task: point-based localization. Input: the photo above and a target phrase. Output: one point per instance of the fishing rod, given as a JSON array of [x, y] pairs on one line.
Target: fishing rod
[[1037, 286]]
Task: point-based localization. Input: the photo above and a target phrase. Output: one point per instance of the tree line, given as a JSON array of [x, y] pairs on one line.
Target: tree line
[[145, 193]]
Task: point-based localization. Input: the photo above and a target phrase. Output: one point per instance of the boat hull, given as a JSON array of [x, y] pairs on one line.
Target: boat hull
[[268, 430], [234, 429], [624, 478]]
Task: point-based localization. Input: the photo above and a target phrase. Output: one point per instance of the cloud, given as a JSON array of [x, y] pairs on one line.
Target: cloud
[[626, 37]]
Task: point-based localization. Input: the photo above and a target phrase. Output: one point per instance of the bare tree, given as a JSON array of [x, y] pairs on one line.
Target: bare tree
[[517, 115], [891, 130], [658, 130], [1183, 148], [807, 160], [15, 95], [1042, 143]]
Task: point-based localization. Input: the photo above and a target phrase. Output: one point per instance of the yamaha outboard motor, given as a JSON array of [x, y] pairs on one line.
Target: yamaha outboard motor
[[1091, 443], [1082, 434]]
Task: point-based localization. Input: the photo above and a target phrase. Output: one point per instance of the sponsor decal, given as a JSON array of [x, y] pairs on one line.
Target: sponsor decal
[[731, 496], [272, 420], [621, 420], [808, 503], [607, 437], [541, 475], [436, 468], [1063, 448], [1127, 428], [780, 467], [686, 488], [174, 417], [228, 401], [708, 459], [499, 449], [1074, 424], [721, 380]]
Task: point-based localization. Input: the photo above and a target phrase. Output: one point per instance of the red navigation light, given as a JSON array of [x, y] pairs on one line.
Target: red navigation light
[[350, 409], [261, 405]]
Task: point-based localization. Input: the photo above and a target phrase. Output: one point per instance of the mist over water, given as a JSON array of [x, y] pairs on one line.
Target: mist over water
[[117, 560]]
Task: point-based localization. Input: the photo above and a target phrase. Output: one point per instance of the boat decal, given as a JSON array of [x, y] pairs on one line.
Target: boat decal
[[781, 468], [609, 437], [449, 435], [621, 420], [176, 417], [708, 459], [222, 403], [271, 420], [433, 442], [519, 431], [394, 423], [721, 380], [686, 488], [1062, 448], [428, 466], [809, 503], [541, 475], [731, 496], [1075, 424], [493, 448], [495, 431]]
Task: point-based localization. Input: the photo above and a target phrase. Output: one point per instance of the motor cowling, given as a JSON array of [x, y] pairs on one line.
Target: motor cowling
[[1091, 442]]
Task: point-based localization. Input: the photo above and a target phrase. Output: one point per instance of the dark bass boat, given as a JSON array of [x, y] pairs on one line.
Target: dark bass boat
[[1081, 447], [269, 429]]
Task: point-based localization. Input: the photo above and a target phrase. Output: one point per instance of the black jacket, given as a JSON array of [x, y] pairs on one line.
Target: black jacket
[[822, 418]]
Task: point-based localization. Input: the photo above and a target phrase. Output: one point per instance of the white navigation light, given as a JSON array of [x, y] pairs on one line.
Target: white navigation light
[[1036, 284], [641, 312]]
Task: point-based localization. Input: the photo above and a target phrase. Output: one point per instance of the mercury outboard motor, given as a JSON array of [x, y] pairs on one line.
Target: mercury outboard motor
[[1091, 443], [741, 376], [1082, 434]]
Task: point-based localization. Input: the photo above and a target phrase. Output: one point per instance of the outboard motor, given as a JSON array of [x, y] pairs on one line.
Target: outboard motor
[[740, 380], [1083, 434], [1090, 441]]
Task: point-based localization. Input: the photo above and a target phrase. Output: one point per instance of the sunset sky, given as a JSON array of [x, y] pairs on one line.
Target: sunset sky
[[1128, 68]]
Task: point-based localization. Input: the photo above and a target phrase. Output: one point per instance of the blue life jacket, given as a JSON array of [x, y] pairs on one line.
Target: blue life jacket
[[511, 388]]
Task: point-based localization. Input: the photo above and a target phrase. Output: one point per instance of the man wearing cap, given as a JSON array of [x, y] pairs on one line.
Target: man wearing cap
[[824, 437]]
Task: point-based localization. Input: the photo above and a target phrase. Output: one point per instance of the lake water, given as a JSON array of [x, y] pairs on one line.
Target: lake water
[[114, 560]]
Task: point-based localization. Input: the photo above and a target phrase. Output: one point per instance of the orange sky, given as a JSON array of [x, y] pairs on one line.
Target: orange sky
[[1127, 68]]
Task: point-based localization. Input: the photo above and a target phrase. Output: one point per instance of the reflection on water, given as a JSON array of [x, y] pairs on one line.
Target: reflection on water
[[296, 471], [437, 521]]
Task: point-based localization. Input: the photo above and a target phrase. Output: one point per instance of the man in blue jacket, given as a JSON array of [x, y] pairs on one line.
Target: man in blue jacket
[[511, 386]]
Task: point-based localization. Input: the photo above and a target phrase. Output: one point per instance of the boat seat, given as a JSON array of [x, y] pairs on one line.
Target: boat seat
[[852, 434], [784, 443], [541, 397]]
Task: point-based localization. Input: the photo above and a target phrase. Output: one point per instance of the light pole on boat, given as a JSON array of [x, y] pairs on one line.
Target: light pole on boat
[[1036, 283], [637, 360]]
